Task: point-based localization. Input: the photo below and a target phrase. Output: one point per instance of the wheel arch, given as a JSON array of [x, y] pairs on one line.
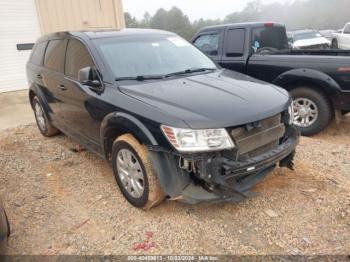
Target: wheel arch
[[34, 91], [311, 78], [116, 124]]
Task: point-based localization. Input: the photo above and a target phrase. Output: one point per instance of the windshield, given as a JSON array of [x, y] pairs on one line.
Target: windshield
[[273, 38], [306, 35], [151, 55]]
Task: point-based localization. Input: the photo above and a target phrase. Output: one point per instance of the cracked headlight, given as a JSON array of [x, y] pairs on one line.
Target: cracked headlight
[[198, 140], [291, 113]]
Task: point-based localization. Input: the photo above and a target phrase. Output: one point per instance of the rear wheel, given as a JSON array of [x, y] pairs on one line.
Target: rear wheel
[[42, 121], [312, 110], [334, 44], [134, 173]]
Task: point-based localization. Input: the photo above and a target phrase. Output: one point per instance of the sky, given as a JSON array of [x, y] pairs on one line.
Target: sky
[[194, 9]]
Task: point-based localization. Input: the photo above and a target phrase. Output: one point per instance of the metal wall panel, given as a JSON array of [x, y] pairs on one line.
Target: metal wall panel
[[63, 15]]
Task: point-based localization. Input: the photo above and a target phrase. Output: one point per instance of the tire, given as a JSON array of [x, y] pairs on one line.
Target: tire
[[42, 121], [322, 105], [7, 224], [152, 194], [334, 44]]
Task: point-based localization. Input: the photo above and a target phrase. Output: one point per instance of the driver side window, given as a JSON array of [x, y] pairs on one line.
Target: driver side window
[[77, 57], [208, 44]]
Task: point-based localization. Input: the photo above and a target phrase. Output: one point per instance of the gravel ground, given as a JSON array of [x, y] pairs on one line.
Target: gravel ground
[[62, 202]]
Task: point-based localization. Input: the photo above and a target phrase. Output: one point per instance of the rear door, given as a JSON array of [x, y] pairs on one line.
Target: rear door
[[52, 77], [34, 65], [234, 54]]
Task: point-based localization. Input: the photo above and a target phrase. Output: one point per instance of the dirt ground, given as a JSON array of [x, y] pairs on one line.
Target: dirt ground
[[62, 202]]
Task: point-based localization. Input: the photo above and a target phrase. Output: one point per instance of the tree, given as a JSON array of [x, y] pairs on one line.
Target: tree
[[130, 21], [317, 14]]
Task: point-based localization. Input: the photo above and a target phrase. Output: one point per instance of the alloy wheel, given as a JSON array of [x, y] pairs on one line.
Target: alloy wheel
[[305, 112], [39, 114], [130, 173]]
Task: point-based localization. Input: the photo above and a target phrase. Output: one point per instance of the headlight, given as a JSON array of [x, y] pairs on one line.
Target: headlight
[[198, 140], [291, 113]]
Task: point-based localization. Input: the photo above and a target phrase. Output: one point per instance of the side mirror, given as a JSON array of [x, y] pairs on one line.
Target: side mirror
[[88, 76]]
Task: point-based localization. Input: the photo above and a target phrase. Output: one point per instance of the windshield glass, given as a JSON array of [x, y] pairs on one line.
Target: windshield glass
[[306, 35], [151, 55], [272, 38]]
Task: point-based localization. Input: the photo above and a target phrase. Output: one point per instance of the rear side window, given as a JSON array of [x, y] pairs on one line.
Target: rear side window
[[208, 44], [272, 37], [54, 55], [235, 42], [77, 57], [38, 53]]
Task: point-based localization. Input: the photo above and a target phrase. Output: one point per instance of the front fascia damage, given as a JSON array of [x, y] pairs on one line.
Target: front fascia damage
[[219, 176]]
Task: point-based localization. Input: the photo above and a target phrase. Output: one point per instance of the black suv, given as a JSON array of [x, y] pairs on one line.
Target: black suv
[[170, 121]]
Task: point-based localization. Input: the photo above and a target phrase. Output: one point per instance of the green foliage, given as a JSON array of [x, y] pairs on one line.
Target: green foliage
[[317, 14]]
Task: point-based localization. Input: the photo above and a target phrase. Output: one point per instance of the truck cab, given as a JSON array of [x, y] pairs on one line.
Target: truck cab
[[342, 38]]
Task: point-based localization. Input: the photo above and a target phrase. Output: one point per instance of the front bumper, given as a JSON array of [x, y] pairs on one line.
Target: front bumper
[[220, 178]]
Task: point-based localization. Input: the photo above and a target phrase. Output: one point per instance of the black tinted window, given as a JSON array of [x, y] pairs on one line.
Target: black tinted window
[[54, 55], [273, 37], [235, 42], [77, 57], [38, 53], [208, 44]]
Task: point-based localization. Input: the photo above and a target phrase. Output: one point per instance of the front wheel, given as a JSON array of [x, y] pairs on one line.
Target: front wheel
[[334, 44], [134, 173], [312, 110]]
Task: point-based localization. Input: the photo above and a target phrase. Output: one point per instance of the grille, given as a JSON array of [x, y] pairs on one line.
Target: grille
[[316, 47], [259, 137]]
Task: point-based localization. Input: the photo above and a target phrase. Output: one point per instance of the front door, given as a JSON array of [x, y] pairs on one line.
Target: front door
[[80, 104], [345, 38]]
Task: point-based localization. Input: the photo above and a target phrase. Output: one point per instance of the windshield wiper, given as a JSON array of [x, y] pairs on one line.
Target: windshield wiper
[[139, 78], [189, 71], [151, 77]]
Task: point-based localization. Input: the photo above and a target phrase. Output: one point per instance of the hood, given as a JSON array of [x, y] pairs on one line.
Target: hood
[[311, 42], [219, 99]]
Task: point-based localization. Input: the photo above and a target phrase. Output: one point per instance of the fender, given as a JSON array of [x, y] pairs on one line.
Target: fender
[[319, 79], [124, 122]]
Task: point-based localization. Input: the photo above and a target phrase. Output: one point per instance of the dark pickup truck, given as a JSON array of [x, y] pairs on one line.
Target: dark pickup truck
[[318, 80]]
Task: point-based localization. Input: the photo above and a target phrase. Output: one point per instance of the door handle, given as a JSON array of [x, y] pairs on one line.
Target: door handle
[[62, 87], [39, 76]]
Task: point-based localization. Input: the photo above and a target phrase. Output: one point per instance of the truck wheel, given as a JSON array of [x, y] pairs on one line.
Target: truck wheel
[[334, 44], [42, 121], [134, 173], [312, 110]]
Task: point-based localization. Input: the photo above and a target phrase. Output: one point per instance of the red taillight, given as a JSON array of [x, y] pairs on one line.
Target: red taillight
[[344, 69], [268, 24]]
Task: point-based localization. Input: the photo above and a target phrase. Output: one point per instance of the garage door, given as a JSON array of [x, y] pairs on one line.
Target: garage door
[[18, 25]]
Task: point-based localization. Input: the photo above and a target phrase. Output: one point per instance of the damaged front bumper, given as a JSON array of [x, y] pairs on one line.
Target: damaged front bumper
[[218, 176]]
